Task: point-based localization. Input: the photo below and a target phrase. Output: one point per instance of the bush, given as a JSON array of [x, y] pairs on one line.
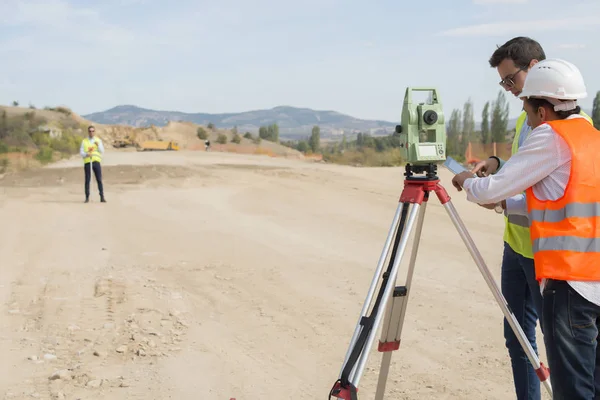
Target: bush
[[236, 138], [248, 135], [3, 165], [201, 132], [222, 139], [44, 155], [367, 157], [67, 143]]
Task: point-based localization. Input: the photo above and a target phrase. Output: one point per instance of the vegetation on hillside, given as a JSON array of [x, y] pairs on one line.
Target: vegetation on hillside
[[367, 150], [32, 134]]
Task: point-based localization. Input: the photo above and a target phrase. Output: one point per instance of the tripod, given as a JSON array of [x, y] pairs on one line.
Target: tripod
[[416, 193]]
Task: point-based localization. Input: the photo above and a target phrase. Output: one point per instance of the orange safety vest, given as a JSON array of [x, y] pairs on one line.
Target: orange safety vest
[[565, 233]]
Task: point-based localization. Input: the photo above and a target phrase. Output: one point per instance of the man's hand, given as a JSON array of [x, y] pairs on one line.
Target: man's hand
[[486, 167], [459, 179], [493, 205]]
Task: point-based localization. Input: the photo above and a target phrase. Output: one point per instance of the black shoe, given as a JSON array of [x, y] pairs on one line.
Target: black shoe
[[102, 199], [87, 200]]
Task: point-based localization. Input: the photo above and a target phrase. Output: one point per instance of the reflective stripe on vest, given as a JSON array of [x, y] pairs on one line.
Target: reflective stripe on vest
[[91, 148], [567, 243], [519, 220], [565, 233], [581, 210]]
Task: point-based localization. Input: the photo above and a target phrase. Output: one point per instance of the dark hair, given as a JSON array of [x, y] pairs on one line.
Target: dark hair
[[521, 50], [90, 127], [537, 103]]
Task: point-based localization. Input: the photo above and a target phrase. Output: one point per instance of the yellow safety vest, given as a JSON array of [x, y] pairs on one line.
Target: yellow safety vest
[[516, 231], [88, 147]]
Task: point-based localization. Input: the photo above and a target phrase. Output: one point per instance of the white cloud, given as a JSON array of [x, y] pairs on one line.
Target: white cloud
[[524, 27], [47, 13]]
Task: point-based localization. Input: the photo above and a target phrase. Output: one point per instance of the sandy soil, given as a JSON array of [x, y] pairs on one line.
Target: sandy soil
[[218, 276]]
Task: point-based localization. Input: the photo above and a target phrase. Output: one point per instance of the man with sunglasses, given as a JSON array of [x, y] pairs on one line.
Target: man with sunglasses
[[519, 286], [91, 151]]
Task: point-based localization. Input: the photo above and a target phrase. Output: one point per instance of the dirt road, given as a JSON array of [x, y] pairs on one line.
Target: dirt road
[[218, 276]]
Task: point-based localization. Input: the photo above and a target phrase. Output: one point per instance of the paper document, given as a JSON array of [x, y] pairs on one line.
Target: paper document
[[454, 166]]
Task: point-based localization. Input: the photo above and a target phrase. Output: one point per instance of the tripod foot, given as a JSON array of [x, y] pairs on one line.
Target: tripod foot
[[344, 393]]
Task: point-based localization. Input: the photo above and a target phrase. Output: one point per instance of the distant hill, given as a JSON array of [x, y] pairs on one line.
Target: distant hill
[[292, 121]]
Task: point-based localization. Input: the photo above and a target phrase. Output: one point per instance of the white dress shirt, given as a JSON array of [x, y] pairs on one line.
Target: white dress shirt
[[542, 162]]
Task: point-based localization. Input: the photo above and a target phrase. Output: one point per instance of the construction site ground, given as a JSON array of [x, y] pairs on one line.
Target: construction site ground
[[217, 275]]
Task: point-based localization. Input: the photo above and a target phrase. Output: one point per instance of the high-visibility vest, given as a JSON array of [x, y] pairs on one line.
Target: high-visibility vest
[[91, 148], [565, 233], [516, 227]]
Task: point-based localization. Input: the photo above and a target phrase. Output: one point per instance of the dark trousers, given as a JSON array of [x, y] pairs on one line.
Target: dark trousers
[[571, 337], [523, 295], [97, 173]]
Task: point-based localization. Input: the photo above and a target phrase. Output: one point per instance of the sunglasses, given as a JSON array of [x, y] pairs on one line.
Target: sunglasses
[[508, 82]]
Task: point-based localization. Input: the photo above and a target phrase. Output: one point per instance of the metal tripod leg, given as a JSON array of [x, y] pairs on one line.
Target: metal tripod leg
[[376, 277], [392, 326], [367, 327], [415, 194], [540, 369], [355, 378]]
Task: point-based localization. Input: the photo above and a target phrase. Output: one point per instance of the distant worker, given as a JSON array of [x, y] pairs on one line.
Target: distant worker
[[207, 144], [91, 151]]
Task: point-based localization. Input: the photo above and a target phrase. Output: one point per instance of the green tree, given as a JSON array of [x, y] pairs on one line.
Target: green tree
[[499, 119], [359, 140], [303, 146], [273, 132], [222, 139], [210, 126], [262, 132], [468, 126], [485, 123], [3, 125], [454, 134], [596, 111], [270, 133], [315, 139]]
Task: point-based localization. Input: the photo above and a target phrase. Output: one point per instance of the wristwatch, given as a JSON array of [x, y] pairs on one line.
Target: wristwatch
[[498, 208]]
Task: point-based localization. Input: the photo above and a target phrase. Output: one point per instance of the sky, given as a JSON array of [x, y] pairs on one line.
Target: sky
[[354, 57]]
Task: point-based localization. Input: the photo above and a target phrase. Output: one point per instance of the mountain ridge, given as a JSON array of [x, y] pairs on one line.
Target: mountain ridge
[[293, 122]]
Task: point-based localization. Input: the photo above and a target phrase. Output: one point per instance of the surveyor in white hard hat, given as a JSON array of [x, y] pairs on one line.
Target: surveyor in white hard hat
[[558, 167]]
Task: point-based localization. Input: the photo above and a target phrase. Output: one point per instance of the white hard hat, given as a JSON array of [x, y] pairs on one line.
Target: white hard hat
[[554, 79]]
